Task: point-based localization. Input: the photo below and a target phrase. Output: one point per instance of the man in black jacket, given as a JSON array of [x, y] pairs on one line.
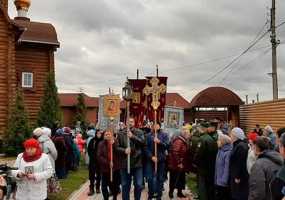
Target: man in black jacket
[[94, 171], [264, 170], [137, 143]]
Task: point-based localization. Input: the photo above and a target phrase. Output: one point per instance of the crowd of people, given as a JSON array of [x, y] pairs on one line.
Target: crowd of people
[[229, 164], [232, 165]]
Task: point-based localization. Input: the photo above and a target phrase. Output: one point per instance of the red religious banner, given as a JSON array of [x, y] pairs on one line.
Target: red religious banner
[[155, 92], [137, 107]]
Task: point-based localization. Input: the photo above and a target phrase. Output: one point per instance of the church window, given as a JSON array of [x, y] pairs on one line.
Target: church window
[[27, 80]]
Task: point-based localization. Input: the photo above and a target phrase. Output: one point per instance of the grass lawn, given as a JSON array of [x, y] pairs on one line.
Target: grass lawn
[[72, 183], [192, 183]]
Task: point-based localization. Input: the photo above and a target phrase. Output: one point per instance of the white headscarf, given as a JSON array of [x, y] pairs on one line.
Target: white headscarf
[[238, 133]]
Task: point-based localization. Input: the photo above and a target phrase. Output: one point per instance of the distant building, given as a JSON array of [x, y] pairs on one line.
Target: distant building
[[26, 57], [68, 103]]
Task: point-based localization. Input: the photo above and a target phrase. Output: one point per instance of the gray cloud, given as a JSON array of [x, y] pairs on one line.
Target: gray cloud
[[102, 42]]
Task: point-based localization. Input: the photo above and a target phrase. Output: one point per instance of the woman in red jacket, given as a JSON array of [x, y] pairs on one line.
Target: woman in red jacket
[[104, 157], [178, 163]]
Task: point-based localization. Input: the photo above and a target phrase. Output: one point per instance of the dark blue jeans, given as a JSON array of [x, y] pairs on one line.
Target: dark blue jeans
[[126, 181], [114, 186], [155, 181]]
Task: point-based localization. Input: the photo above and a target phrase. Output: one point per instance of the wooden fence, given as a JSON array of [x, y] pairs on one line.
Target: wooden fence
[[264, 113]]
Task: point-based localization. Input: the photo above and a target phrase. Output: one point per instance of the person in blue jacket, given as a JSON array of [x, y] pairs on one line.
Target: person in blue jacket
[[156, 179]]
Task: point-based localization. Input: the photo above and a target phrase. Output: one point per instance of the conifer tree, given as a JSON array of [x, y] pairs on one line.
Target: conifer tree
[[18, 126], [81, 112], [50, 114]]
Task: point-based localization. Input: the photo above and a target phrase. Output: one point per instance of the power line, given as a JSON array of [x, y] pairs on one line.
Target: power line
[[213, 60], [232, 69], [264, 53], [238, 57], [281, 24]]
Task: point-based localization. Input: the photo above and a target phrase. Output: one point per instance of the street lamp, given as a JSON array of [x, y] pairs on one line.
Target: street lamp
[[127, 96], [127, 91]]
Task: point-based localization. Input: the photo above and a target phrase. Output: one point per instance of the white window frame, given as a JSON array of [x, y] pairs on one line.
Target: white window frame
[[24, 84]]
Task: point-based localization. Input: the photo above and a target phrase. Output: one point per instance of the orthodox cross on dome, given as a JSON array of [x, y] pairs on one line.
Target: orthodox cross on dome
[[155, 90]]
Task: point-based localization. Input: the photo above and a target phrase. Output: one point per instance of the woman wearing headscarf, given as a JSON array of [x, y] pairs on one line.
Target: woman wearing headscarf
[[93, 167], [222, 191], [43, 136], [34, 168], [178, 163], [238, 168], [60, 163]]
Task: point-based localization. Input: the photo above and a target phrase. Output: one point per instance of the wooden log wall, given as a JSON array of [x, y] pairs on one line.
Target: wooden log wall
[[3, 73], [272, 113], [36, 60]]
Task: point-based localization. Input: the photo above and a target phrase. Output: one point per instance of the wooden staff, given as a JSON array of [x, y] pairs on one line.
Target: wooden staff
[[128, 139], [111, 148], [110, 145], [155, 137]]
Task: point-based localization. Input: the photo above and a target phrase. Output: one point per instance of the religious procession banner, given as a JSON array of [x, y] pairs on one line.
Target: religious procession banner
[[109, 109], [173, 119], [155, 91], [138, 103]]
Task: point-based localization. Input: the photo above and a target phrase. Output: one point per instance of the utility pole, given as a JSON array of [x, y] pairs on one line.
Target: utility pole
[[274, 43]]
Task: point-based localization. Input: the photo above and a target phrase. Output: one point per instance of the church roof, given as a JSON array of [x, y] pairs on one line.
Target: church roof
[[216, 97], [36, 32]]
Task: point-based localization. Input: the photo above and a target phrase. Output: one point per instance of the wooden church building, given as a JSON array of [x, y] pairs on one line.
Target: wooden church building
[[26, 57]]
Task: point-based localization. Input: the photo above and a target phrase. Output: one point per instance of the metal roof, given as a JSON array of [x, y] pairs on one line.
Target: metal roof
[[216, 97]]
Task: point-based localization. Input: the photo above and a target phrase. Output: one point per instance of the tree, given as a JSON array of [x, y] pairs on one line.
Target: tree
[[50, 114], [81, 112], [18, 126]]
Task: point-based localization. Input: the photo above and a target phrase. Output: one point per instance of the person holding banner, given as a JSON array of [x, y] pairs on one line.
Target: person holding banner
[[105, 163], [137, 142], [156, 178]]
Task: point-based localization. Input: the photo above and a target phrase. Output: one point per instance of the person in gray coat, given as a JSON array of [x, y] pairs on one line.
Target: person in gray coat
[[268, 163]]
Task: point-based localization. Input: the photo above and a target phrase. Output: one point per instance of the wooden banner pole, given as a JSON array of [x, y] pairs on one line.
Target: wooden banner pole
[[155, 136]]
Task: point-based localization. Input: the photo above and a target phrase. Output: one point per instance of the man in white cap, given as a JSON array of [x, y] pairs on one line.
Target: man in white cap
[[238, 168]]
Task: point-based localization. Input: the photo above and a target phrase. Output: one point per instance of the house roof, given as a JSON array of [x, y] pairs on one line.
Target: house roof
[[176, 100], [36, 32], [216, 97], [70, 100]]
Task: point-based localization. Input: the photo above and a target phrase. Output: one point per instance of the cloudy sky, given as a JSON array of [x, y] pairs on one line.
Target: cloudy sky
[[104, 41]]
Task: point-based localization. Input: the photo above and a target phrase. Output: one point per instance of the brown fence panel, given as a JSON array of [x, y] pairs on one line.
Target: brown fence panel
[[264, 113]]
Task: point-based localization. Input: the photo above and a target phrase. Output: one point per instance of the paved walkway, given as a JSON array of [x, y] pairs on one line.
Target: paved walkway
[[81, 194]]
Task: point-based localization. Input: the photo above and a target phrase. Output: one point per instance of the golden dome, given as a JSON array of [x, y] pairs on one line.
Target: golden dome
[[22, 4]]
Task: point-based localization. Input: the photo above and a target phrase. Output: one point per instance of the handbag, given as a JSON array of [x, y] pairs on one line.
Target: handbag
[[53, 185]]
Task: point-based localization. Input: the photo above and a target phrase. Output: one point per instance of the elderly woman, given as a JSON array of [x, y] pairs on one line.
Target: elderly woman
[[238, 168], [178, 162], [34, 168], [223, 167], [268, 132], [43, 136]]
